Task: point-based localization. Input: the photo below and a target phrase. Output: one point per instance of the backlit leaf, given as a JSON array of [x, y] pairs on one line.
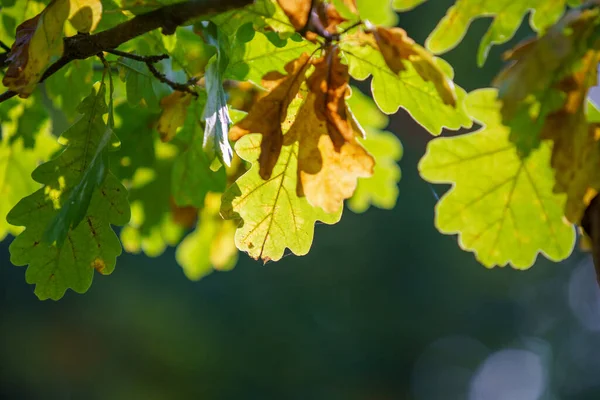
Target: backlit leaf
[[297, 11], [272, 216], [90, 245], [85, 15], [269, 112], [406, 89], [501, 206], [175, 107]]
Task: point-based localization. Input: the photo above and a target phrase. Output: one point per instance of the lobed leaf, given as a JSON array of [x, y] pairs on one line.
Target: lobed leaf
[[501, 206], [272, 217]]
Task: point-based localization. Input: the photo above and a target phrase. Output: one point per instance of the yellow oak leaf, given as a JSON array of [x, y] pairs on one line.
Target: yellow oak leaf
[[297, 11], [85, 15]]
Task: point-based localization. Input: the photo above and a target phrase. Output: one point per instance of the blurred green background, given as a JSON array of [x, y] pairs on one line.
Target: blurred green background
[[383, 307]]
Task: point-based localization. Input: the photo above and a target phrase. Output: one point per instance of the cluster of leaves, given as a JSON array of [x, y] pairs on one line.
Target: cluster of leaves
[[241, 130]]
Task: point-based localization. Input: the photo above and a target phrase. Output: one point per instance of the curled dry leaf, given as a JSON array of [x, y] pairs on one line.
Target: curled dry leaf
[[329, 83], [268, 113], [396, 48], [174, 111], [38, 40], [327, 175]]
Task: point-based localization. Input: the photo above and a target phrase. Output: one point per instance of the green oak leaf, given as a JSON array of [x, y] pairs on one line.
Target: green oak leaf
[[18, 161], [211, 245], [501, 206], [381, 189], [192, 177], [216, 114], [92, 244], [272, 216], [152, 227], [406, 89], [30, 119], [262, 14], [507, 16], [139, 84]]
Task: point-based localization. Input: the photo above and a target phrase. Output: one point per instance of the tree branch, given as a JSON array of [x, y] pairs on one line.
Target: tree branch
[[168, 18]]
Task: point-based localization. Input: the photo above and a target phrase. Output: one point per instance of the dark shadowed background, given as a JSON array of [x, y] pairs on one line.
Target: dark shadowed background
[[383, 307]]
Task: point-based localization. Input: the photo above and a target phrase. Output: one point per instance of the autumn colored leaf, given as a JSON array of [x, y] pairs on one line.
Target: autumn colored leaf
[[89, 245], [272, 217], [329, 84], [38, 40], [297, 11], [576, 145], [211, 245], [529, 87], [327, 173], [174, 111], [507, 16], [406, 89], [268, 113], [85, 15], [503, 214]]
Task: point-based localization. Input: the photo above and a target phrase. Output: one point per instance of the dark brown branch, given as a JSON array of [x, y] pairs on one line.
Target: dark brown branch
[[168, 18], [4, 47], [144, 59]]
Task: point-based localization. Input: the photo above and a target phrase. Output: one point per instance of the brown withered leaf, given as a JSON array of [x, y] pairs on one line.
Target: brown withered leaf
[[329, 83], [297, 11], [268, 113], [396, 48], [37, 41], [174, 111], [326, 175], [576, 149]]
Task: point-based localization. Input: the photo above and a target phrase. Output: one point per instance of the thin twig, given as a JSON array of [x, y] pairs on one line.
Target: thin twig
[[144, 59], [150, 61]]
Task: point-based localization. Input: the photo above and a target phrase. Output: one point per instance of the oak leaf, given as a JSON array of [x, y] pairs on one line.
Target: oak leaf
[[268, 113], [329, 83], [174, 112], [38, 40], [85, 15], [396, 48], [327, 174]]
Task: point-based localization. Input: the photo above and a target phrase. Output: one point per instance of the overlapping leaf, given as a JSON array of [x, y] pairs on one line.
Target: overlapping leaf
[[507, 15], [89, 245], [174, 112], [406, 89], [262, 14], [272, 217], [270, 111], [501, 206], [530, 86]]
